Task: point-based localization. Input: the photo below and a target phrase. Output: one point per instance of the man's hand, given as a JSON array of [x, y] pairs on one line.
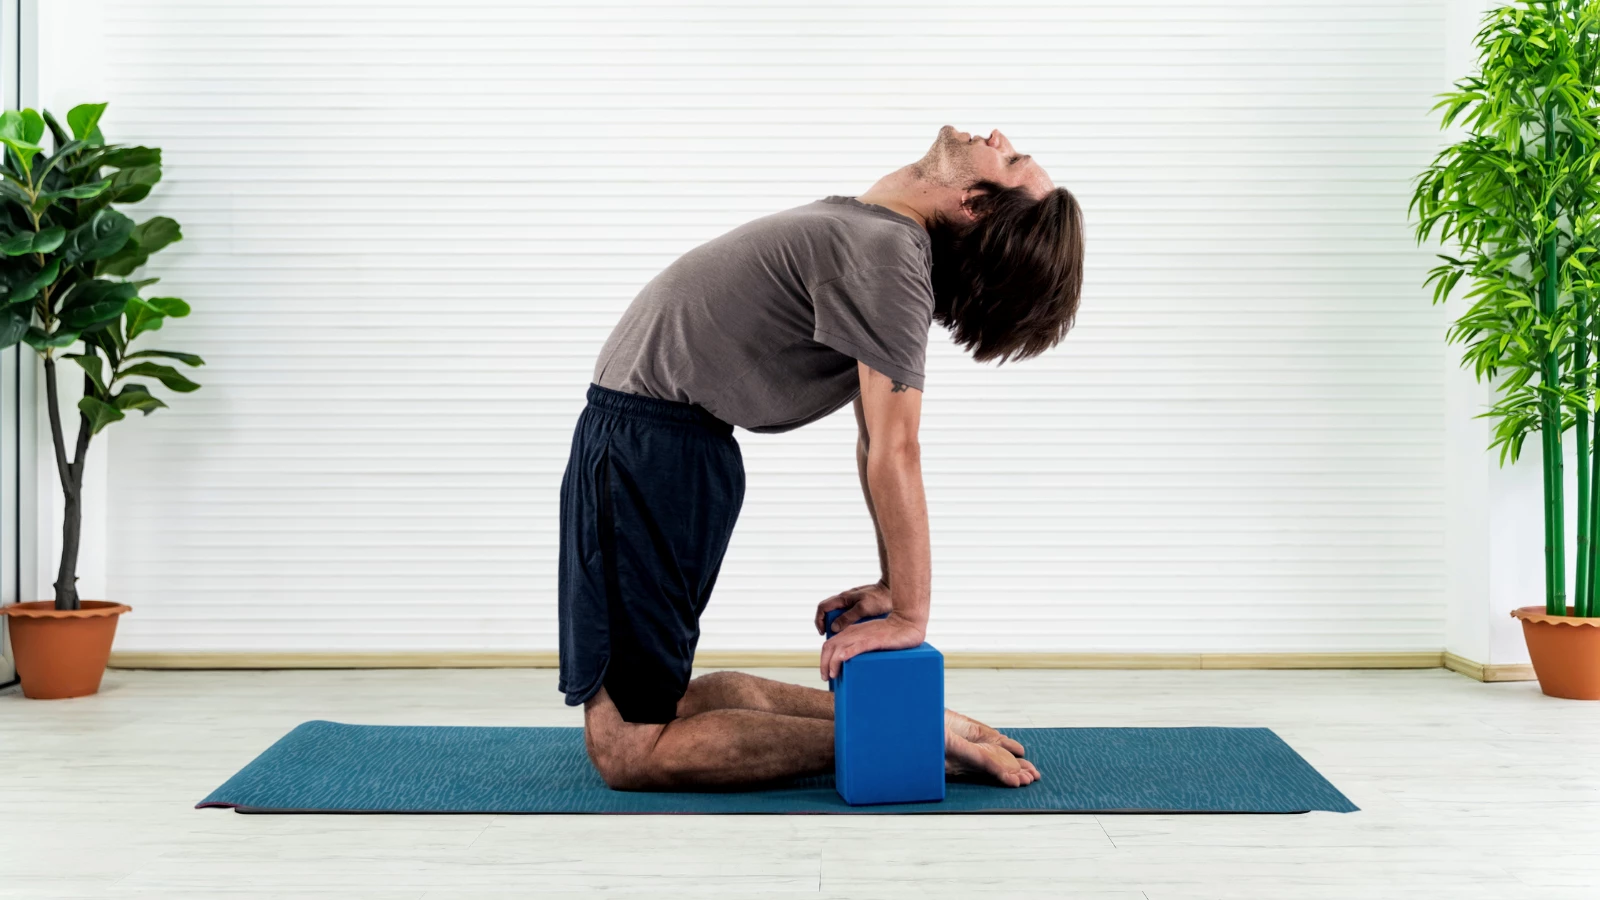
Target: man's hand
[[893, 633], [858, 603]]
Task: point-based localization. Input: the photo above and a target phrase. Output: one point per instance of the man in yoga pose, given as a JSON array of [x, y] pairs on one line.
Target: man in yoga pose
[[773, 325]]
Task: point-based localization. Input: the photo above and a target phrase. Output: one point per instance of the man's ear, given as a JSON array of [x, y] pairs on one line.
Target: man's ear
[[964, 213]]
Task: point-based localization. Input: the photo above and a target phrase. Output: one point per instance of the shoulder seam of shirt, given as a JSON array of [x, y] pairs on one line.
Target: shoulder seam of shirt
[[873, 209], [823, 284], [879, 359]]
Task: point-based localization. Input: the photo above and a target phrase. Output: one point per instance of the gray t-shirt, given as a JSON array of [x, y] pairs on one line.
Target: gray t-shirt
[[763, 325]]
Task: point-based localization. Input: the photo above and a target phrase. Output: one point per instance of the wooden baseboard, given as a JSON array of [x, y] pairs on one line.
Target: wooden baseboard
[[1488, 671], [1422, 659], [420, 659]]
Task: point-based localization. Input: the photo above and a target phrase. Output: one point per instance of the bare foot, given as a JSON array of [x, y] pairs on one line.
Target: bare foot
[[979, 733], [963, 757]]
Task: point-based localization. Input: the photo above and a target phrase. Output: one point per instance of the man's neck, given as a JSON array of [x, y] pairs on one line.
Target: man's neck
[[906, 194]]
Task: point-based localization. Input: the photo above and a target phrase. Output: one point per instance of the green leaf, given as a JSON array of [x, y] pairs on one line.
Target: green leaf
[[57, 134], [84, 118], [170, 306], [29, 288], [49, 239], [147, 238], [110, 341], [91, 366], [97, 238], [137, 396], [156, 233], [168, 376], [63, 150], [32, 126], [21, 130], [33, 241], [13, 325], [78, 191], [187, 358], [133, 185], [122, 263], [100, 413], [18, 244], [15, 194], [142, 317], [92, 315], [39, 340], [25, 151], [98, 290], [131, 157], [95, 304]]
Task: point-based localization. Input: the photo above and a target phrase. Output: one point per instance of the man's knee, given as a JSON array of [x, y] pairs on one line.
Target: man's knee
[[621, 751], [621, 771], [634, 766]]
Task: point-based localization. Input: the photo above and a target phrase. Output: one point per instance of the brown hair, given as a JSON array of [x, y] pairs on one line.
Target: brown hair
[[1007, 285]]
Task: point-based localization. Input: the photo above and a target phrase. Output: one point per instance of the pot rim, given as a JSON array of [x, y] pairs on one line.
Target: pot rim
[[46, 609], [1536, 614]]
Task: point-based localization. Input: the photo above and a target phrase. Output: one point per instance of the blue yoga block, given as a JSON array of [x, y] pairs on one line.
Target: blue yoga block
[[888, 726]]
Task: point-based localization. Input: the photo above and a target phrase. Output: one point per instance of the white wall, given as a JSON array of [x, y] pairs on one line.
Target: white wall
[[18, 494], [410, 226], [1494, 539]]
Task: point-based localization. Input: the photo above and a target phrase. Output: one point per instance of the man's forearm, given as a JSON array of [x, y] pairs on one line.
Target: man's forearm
[[866, 492], [894, 478]]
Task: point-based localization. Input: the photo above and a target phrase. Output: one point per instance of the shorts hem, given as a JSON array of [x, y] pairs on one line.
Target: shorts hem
[[584, 695]]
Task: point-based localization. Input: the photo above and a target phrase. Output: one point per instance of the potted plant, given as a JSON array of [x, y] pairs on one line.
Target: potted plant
[[1519, 197], [67, 257]]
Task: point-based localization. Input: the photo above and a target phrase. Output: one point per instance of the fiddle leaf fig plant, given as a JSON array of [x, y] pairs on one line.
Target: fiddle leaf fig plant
[[67, 257]]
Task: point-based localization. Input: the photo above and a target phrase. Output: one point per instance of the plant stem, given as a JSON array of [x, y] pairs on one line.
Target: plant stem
[[1549, 466], [1580, 361], [1588, 602], [1555, 482], [71, 488]]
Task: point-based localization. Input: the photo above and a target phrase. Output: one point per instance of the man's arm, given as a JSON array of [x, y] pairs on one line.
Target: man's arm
[[869, 599], [892, 413], [863, 442]]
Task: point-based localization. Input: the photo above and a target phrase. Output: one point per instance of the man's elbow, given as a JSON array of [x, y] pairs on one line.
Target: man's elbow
[[898, 454]]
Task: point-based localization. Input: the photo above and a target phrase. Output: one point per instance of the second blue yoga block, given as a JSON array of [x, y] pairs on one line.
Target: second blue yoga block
[[888, 732]]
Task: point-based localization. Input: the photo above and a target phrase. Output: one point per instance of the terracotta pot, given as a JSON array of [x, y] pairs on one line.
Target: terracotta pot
[[1565, 651], [62, 653]]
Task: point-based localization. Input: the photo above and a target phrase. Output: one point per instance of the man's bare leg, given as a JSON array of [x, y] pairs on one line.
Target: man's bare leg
[[971, 747], [738, 690], [710, 749]]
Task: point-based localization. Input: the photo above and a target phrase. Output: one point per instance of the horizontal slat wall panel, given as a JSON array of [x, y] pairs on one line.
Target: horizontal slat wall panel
[[410, 226]]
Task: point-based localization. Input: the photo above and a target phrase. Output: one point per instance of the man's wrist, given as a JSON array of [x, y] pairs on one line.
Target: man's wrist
[[904, 621]]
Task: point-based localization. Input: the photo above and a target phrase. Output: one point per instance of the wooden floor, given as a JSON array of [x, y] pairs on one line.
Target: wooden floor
[[1467, 791]]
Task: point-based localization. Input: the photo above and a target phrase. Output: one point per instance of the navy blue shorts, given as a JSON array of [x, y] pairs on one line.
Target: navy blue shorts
[[648, 502]]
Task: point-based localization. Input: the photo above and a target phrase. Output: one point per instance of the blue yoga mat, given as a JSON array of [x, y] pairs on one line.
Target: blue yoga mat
[[332, 767]]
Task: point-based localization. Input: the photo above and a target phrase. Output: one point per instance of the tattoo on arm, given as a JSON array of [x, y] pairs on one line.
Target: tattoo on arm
[[899, 387]]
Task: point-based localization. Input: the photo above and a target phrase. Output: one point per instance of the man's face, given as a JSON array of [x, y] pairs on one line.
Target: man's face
[[957, 159]]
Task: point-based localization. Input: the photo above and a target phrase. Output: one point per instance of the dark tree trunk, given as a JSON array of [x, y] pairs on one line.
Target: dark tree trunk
[[66, 584], [66, 576]]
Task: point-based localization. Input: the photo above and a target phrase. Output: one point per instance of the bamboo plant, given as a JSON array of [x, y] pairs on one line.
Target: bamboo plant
[[1518, 201], [64, 281]]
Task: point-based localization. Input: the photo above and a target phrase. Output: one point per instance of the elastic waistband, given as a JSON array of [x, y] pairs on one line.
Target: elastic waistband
[[644, 407]]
